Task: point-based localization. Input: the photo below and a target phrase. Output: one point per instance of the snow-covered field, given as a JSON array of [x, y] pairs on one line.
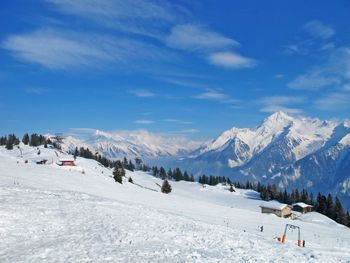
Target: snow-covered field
[[59, 214]]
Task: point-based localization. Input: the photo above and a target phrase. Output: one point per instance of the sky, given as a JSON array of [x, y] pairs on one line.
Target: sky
[[186, 68]]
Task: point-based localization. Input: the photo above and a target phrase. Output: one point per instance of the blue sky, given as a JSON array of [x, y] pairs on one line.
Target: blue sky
[[192, 69]]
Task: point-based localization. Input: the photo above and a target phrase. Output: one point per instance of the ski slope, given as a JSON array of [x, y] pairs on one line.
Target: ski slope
[[50, 213]]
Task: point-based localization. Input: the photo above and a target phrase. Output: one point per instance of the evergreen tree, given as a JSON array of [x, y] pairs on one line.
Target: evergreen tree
[[9, 145], [76, 153], [118, 173], [339, 214], [231, 189], [329, 207], [166, 187], [162, 173], [130, 180], [26, 139]]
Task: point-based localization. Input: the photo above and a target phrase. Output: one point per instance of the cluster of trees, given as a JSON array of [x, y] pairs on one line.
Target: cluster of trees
[[9, 141], [125, 163], [213, 180], [175, 174], [33, 140]]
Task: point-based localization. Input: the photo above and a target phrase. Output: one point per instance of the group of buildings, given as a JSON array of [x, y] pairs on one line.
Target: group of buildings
[[284, 210]]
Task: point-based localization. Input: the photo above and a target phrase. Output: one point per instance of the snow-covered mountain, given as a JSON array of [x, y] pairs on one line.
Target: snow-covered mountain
[[288, 150], [292, 151], [131, 144]]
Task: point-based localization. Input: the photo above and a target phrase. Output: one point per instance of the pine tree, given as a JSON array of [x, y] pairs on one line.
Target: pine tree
[[130, 180], [9, 145], [329, 207], [339, 214], [25, 139], [162, 173], [76, 153], [231, 189], [119, 173], [166, 187]]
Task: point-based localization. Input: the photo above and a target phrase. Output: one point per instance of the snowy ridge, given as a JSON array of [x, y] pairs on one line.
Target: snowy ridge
[[305, 136], [131, 144], [51, 213]]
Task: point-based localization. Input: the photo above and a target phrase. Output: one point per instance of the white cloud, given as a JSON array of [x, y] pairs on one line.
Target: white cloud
[[132, 16], [212, 95], [142, 93], [63, 50], [333, 72], [282, 100], [317, 29], [145, 122], [278, 76], [313, 80], [189, 131], [281, 108], [177, 121], [334, 101], [281, 103], [231, 60], [192, 38]]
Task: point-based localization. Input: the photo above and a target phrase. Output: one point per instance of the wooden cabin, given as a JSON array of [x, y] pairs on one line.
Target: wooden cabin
[[274, 207], [302, 207]]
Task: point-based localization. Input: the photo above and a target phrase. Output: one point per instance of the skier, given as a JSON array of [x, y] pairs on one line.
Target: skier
[[262, 229]]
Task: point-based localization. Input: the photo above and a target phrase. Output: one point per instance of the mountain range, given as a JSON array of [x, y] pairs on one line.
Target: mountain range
[[291, 151]]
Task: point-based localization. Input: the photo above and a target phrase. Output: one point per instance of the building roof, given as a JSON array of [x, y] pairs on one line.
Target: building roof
[[66, 160], [303, 205], [274, 205]]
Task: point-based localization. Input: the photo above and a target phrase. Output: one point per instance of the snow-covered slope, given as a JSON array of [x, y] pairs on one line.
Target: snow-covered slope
[[60, 214]]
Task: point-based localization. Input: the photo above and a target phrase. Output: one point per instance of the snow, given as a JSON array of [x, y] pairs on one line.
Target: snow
[[310, 135], [139, 143], [273, 205], [50, 213], [301, 204]]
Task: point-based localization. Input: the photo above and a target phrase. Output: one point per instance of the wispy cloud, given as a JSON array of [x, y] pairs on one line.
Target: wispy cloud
[[177, 121], [231, 60], [316, 38], [317, 29], [281, 103], [217, 96], [189, 131], [333, 72], [36, 90], [144, 122], [212, 95], [132, 16], [334, 101], [212, 46], [313, 80], [194, 38], [56, 49], [142, 93], [278, 76]]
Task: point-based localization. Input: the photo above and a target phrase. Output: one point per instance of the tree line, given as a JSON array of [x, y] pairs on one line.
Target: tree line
[[34, 139]]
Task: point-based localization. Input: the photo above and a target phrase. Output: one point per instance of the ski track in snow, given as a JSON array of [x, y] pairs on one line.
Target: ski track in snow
[[45, 226]]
